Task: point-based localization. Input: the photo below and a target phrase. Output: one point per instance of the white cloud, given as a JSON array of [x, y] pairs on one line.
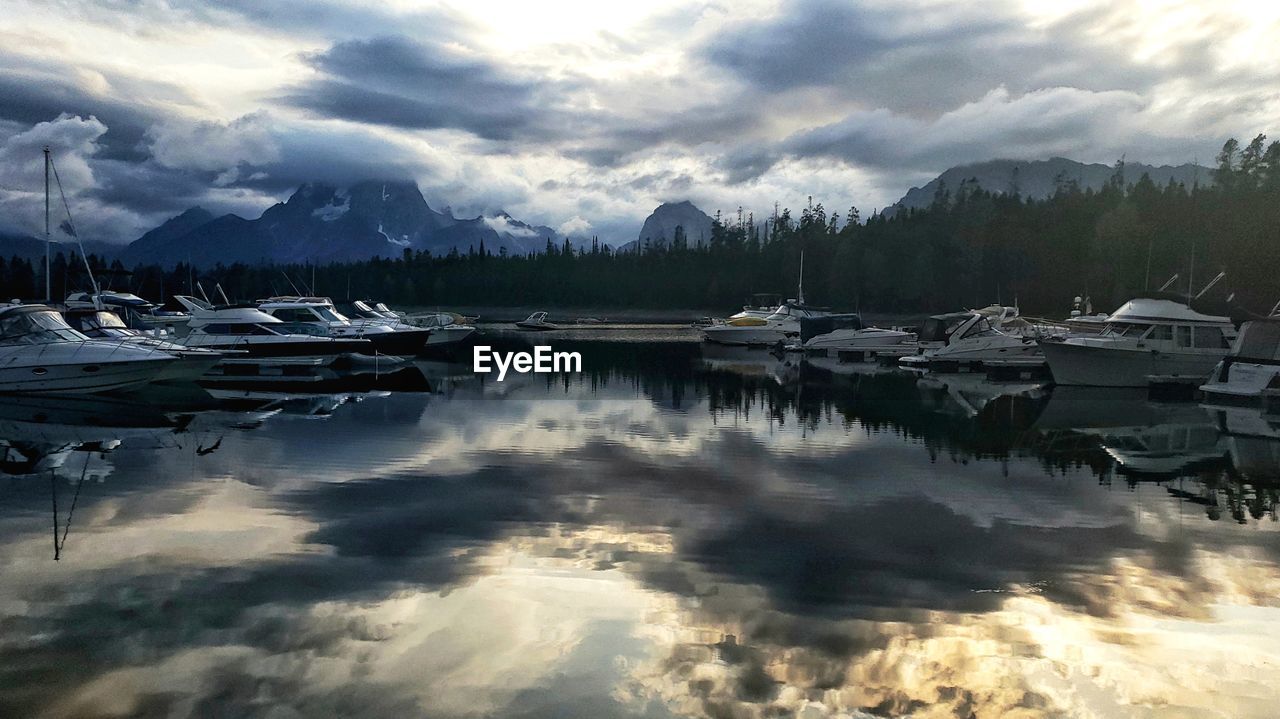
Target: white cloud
[[574, 226], [215, 146], [616, 110]]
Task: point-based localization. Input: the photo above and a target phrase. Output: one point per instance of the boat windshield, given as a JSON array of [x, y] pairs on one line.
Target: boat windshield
[[1125, 329], [330, 314], [36, 327], [1259, 340], [364, 310], [979, 328], [103, 320]]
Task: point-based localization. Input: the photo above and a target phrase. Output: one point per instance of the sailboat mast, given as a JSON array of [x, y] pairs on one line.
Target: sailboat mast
[[800, 290], [48, 288]]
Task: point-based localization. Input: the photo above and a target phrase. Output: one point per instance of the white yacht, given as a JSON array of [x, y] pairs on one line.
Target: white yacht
[[992, 336], [191, 364], [319, 312], [759, 305], [782, 325], [846, 333], [1251, 369], [1147, 338], [447, 328], [39, 352], [245, 327]]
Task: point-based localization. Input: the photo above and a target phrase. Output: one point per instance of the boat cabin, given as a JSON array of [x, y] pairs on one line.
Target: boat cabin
[[1169, 325], [303, 310]]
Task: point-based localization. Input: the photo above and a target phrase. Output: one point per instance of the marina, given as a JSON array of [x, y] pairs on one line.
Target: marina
[[238, 536], [781, 360]]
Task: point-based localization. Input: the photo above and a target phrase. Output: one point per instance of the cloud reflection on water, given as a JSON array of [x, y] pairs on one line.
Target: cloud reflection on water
[[831, 548]]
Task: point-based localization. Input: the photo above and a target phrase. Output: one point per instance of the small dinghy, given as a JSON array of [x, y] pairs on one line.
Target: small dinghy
[[536, 322]]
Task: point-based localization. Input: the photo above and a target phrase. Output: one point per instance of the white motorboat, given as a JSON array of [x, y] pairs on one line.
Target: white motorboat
[[1157, 338], [1251, 369], [537, 322], [245, 327], [759, 305], [447, 328], [991, 337], [39, 352], [191, 364], [319, 313], [846, 333], [782, 326]]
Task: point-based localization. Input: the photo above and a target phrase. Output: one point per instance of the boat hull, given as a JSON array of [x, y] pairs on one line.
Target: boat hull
[[400, 342], [841, 341], [188, 367], [1100, 366], [448, 335], [749, 336], [319, 347], [81, 377]]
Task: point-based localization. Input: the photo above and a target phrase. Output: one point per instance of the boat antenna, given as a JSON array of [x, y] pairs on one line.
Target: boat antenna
[[800, 290], [48, 241], [1212, 282], [1169, 282], [71, 229], [1274, 310], [218, 286], [200, 286]]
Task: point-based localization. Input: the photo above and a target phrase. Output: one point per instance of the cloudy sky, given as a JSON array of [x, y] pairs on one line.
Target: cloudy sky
[[585, 115]]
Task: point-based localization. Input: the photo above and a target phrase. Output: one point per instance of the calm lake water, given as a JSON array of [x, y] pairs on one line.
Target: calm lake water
[[676, 532]]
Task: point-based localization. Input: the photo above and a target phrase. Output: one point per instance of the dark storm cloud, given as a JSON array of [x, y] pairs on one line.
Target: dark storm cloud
[[399, 82], [30, 101], [925, 61]]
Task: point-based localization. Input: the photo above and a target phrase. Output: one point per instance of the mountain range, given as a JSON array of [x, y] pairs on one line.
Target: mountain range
[[1038, 179], [323, 223]]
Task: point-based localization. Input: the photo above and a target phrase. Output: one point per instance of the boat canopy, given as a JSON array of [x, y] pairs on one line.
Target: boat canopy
[[811, 327], [939, 327], [1151, 310], [35, 324]]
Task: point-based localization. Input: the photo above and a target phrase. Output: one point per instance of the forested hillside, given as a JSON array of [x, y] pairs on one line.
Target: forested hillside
[[969, 247]]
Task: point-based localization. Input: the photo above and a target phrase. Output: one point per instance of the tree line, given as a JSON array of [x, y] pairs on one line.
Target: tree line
[[969, 247]]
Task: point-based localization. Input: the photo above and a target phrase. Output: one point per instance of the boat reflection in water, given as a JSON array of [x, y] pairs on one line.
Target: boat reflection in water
[[657, 536]]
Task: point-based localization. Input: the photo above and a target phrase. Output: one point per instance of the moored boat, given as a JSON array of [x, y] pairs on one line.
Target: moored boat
[[537, 322], [1251, 370], [258, 334], [40, 353], [1149, 339]]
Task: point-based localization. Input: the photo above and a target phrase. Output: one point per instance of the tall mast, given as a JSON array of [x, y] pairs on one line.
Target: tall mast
[[800, 291], [48, 288]]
